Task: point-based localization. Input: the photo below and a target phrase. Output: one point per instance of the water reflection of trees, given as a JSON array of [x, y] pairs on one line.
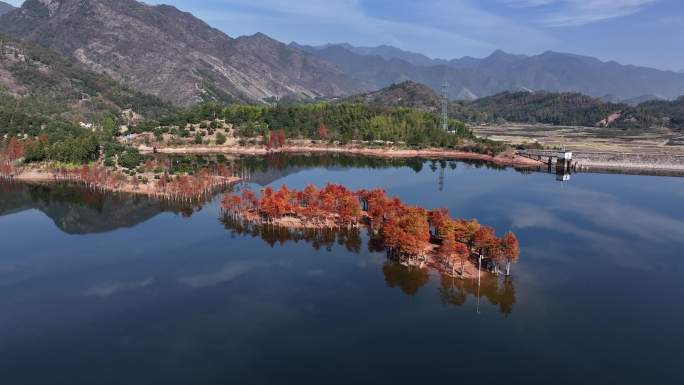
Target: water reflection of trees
[[452, 291], [282, 161], [350, 239], [407, 278], [498, 292]]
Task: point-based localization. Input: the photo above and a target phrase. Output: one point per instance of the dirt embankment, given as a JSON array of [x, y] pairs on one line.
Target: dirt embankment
[[656, 164], [503, 159]]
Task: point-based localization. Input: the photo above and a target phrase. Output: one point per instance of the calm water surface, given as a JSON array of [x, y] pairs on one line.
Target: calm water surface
[[104, 289]]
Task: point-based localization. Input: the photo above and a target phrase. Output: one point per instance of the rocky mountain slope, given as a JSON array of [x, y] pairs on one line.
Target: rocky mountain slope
[[169, 53], [4, 8], [550, 71], [37, 83]]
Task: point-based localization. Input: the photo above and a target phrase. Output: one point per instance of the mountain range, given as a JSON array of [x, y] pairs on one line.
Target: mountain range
[[4, 8], [172, 54], [39, 84], [470, 77], [163, 51], [566, 108]]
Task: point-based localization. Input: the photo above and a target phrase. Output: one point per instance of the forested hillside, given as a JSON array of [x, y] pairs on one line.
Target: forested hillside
[[568, 109], [407, 94], [340, 122], [670, 113], [38, 87], [571, 109]]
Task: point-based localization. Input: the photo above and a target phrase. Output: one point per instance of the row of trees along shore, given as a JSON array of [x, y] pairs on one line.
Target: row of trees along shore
[[332, 122], [335, 123], [408, 232], [186, 187]]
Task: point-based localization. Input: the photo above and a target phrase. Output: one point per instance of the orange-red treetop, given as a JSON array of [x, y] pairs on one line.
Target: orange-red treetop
[[404, 228]]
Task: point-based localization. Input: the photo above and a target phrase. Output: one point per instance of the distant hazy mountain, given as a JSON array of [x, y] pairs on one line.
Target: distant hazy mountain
[[550, 71], [380, 73], [642, 99], [389, 52], [172, 54], [4, 8]]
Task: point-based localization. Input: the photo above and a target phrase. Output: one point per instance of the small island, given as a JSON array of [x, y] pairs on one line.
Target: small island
[[412, 235]]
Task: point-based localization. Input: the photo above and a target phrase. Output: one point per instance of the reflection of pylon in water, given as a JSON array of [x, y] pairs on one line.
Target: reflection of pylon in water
[[441, 179]]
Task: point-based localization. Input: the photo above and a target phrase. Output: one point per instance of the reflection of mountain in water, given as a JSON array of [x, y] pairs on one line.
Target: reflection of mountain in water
[[77, 210]]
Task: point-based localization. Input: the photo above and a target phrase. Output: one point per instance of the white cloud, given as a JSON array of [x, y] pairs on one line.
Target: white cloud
[[225, 274], [528, 3], [580, 12], [105, 290], [437, 27]]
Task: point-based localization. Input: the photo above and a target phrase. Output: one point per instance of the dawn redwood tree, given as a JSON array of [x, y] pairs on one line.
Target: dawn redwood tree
[[449, 245], [438, 219], [462, 253], [465, 232], [417, 231], [510, 250], [15, 149], [323, 132], [484, 240], [276, 139], [405, 230]]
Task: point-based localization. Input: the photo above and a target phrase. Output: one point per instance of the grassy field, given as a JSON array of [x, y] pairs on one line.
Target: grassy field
[[587, 139]]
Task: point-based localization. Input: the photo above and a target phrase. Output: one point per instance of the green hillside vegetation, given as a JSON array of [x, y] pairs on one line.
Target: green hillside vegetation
[[569, 109], [333, 122], [562, 109], [44, 96], [667, 113], [39, 87]]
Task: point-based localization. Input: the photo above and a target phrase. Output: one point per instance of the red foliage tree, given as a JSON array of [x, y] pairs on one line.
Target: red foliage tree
[[15, 149], [323, 132], [276, 139], [510, 248]]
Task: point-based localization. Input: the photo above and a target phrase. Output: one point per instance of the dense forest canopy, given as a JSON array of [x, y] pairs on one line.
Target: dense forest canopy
[[341, 122], [567, 109]]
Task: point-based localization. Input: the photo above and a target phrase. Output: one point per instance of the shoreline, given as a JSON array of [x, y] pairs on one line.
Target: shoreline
[[586, 162], [430, 259], [501, 160], [629, 163], [150, 189]]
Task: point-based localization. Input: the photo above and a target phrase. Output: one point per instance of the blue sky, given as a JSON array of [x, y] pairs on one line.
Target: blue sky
[[641, 32]]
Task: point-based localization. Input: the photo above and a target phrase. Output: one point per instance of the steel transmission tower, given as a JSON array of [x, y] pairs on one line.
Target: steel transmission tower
[[445, 106]]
